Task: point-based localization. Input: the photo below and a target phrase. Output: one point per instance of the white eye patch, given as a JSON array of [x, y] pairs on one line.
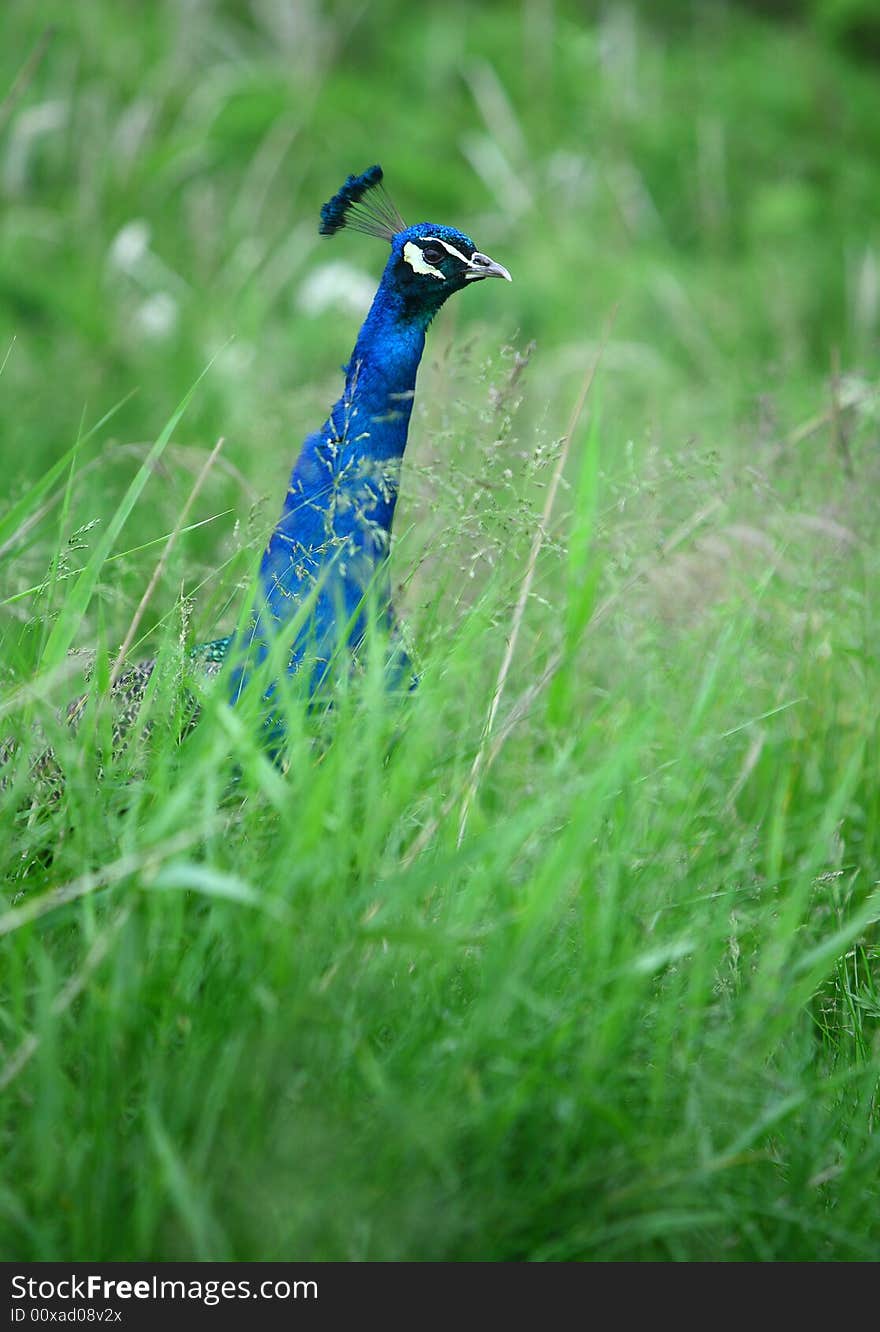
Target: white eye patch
[[450, 249], [412, 253]]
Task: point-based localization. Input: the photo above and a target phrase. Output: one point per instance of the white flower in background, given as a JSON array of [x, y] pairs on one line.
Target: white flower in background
[[234, 359], [336, 285], [156, 317], [130, 245]]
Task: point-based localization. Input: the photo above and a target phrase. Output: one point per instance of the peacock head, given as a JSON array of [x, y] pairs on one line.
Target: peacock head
[[428, 261]]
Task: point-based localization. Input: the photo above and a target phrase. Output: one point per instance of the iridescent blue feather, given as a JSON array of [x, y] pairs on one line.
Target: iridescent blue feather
[[362, 204], [355, 187]]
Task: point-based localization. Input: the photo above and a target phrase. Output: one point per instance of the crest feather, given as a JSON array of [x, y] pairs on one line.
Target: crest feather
[[362, 204]]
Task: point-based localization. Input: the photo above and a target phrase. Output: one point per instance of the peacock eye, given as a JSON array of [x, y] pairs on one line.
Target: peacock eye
[[433, 254]]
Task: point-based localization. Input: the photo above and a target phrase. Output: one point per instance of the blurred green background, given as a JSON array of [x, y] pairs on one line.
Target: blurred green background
[[636, 1012], [713, 168]]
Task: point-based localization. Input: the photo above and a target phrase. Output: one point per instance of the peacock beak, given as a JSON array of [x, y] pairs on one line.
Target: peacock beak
[[481, 266]]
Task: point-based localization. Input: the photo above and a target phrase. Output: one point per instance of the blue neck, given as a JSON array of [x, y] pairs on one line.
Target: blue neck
[[335, 527]]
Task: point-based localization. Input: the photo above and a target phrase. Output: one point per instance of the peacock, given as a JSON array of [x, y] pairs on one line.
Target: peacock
[[330, 544], [325, 565]]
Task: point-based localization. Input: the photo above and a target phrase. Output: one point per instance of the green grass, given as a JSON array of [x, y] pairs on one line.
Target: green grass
[[635, 1014]]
